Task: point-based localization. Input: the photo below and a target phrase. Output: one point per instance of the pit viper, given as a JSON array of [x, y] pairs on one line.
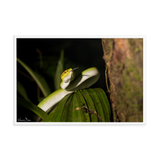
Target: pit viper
[[69, 85]]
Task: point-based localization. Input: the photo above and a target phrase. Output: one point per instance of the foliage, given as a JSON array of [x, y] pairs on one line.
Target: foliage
[[29, 105], [87, 105], [59, 70], [22, 90], [39, 79]]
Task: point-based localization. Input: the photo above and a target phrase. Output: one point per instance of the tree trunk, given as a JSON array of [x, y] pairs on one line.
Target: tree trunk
[[124, 78]]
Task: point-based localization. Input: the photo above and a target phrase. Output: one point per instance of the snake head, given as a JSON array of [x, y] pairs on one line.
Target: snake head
[[67, 75]]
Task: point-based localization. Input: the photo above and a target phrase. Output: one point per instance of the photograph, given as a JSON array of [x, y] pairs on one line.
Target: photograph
[[63, 79]]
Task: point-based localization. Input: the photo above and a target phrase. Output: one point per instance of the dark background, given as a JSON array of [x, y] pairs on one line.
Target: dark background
[[42, 56]]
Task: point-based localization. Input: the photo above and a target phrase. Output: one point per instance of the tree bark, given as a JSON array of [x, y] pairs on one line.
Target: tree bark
[[124, 78]]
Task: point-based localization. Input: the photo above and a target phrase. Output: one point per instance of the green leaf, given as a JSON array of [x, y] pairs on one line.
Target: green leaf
[[39, 79], [87, 105], [98, 104], [38, 111], [59, 71], [22, 91], [55, 115], [79, 108], [90, 105], [67, 110], [105, 103]]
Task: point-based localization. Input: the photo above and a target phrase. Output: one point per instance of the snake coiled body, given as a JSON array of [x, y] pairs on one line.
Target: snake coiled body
[[68, 85]]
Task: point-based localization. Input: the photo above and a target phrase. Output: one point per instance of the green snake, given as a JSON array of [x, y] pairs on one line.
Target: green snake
[[69, 85]]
